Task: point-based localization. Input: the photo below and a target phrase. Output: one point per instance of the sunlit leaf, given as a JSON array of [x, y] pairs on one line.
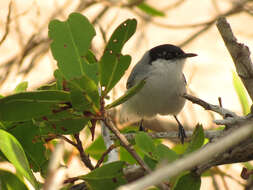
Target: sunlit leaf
[[150, 10], [21, 87], [9, 181], [14, 152], [241, 93]]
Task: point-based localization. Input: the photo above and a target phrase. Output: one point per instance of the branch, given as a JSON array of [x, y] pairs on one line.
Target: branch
[[85, 158], [192, 160], [240, 54], [215, 108], [7, 25], [172, 135], [124, 142]]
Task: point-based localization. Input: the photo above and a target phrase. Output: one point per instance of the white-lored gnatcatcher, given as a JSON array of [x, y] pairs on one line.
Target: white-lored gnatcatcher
[[161, 67]]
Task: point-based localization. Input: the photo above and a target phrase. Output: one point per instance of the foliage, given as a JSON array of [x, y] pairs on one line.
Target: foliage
[[75, 101]]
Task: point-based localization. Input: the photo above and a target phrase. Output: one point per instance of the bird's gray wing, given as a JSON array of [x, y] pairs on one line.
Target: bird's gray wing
[[139, 72]]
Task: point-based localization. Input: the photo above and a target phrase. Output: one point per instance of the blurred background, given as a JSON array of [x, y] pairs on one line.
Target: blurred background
[[25, 54]]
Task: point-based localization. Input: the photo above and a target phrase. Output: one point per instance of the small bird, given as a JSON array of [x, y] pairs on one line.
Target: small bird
[[161, 67]]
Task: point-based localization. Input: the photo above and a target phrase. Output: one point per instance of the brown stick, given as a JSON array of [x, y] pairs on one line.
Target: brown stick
[[240, 54]]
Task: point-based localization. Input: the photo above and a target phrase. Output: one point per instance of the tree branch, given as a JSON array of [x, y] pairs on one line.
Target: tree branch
[[192, 160], [210, 134], [7, 25], [240, 54], [85, 158]]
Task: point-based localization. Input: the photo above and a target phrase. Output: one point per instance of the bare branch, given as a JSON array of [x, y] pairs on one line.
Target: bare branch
[[173, 135], [192, 160], [124, 142], [85, 158], [7, 25], [222, 111], [240, 54]]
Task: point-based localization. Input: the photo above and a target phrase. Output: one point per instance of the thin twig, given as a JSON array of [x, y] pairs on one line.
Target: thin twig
[[100, 161], [124, 142], [85, 158], [222, 111], [7, 25]]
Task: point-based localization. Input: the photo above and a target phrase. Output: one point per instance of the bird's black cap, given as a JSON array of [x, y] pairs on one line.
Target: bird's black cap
[[168, 52]]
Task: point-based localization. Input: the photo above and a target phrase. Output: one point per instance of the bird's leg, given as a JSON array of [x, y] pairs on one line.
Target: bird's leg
[[141, 128], [181, 131]]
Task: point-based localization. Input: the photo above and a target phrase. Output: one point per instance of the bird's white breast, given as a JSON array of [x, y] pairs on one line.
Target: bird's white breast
[[162, 92]]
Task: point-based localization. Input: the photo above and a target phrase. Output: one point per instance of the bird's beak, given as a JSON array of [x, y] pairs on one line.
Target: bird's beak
[[190, 55]]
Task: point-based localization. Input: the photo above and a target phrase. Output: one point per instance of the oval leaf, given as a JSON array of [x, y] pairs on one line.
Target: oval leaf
[[71, 41], [27, 105], [113, 65]]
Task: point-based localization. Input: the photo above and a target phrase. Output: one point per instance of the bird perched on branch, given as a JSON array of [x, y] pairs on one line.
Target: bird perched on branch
[[161, 67]]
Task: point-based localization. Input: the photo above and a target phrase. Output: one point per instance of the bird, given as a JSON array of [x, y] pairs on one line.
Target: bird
[[162, 69]]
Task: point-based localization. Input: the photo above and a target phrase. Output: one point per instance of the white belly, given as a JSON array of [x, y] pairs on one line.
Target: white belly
[[161, 94]]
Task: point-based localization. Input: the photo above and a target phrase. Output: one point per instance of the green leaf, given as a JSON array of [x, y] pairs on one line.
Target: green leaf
[[162, 152], [21, 87], [150, 10], [113, 65], [197, 140], [241, 93], [84, 94], [109, 176], [59, 79], [14, 152], [28, 135], [51, 86], [27, 105], [97, 148], [129, 93], [189, 182], [9, 181], [145, 143], [126, 156], [91, 58], [152, 163], [71, 41], [63, 122]]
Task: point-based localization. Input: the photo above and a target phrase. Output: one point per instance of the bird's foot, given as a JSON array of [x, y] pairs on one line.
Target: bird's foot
[[141, 128], [181, 133]]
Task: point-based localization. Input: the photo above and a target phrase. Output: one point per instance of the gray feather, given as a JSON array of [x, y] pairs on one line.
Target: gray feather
[[139, 72]]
